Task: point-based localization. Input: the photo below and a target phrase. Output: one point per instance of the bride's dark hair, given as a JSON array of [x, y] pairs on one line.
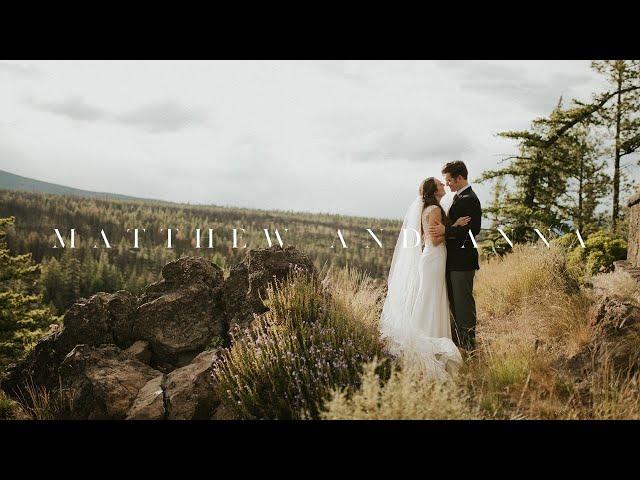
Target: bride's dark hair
[[427, 191]]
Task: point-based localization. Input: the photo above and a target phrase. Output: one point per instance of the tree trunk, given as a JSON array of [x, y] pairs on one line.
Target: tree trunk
[[580, 183], [616, 167], [532, 183]]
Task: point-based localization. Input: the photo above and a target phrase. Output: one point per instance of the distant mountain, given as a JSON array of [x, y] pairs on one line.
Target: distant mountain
[[10, 181]]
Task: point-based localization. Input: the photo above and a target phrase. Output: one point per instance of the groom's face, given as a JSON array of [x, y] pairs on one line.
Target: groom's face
[[452, 182]]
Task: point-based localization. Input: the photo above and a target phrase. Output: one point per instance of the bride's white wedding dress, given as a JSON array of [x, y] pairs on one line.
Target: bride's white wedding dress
[[415, 316]]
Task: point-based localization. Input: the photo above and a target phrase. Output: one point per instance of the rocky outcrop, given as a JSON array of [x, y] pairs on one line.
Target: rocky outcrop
[[616, 328], [149, 404], [186, 393], [105, 318], [626, 268], [189, 392], [180, 314], [103, 382], [248, 280], [633, 251], [118, 356], [141, 351]]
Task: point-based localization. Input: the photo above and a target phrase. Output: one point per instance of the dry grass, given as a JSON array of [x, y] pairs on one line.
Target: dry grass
[[532, 312], [407, 394], [616, 395], [39, 403], [317, 353], [532, 317], [356, 293], [527, 276]]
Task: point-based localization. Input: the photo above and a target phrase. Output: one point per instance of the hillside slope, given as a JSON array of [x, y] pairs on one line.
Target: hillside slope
[[11, 181]]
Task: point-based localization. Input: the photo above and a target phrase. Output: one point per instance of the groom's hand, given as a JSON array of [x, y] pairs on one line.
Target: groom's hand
[[436, 230]]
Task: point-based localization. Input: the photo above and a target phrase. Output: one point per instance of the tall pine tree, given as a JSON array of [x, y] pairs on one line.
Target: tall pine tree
[[616, 111], [621, 116], [23, 318], [587, 182], [539, 173]]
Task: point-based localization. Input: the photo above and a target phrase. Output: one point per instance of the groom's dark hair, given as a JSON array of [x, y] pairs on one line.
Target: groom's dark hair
[[456, 168]]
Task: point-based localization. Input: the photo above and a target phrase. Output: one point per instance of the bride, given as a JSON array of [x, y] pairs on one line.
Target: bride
[[415, 316]]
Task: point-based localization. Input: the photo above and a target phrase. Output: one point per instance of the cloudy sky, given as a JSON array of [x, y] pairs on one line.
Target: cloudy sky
[[347, 137]]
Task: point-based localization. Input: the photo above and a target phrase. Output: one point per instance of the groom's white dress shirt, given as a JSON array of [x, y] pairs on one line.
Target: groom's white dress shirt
[[462, 189]]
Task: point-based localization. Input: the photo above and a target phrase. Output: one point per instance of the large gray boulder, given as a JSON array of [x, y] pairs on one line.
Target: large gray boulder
[[103, 382], [189, 391], [150, 402], [101, 319], [181, 314]]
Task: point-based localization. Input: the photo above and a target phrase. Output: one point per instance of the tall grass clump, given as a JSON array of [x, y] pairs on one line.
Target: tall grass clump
[[535, 293], [500, 375], [407, 395], [40, 403], [615, 394], [310, 342], [532, 312], [529, 274]]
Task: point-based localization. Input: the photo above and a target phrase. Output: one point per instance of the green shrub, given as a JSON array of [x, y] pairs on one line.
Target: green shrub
[[568, 241], [287, 364], [8, 407], [601, 250]]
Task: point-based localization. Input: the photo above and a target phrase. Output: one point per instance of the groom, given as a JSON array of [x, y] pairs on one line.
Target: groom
[[462, 257]]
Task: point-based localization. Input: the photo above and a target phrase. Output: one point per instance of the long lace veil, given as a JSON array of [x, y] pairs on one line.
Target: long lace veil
[[403, 280]]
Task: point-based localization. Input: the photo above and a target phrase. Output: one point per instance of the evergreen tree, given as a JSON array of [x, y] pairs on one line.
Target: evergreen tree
[[51, 281], [71, 277], [497, 198], [621, 116], [617, 112], [587, 182], [539, 173], [23, 317]]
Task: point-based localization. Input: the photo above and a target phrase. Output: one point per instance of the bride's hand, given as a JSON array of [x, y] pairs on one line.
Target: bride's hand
[[436, 230], [462, 221]]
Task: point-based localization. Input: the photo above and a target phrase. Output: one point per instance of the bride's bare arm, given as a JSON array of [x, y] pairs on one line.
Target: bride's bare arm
[[435, 218]]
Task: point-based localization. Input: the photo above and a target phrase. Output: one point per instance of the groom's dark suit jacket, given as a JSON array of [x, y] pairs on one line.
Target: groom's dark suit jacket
[[461, 254]]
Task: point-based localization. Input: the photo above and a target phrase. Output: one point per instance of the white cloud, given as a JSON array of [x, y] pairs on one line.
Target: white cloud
[[352, 137], [20, 70], [73, 107], [158, 116], [163, 116]]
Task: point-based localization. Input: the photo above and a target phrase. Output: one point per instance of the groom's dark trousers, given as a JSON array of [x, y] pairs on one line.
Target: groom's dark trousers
[[462, 263]]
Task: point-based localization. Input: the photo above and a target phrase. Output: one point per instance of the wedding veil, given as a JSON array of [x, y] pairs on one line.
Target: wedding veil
[[403, 280]]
